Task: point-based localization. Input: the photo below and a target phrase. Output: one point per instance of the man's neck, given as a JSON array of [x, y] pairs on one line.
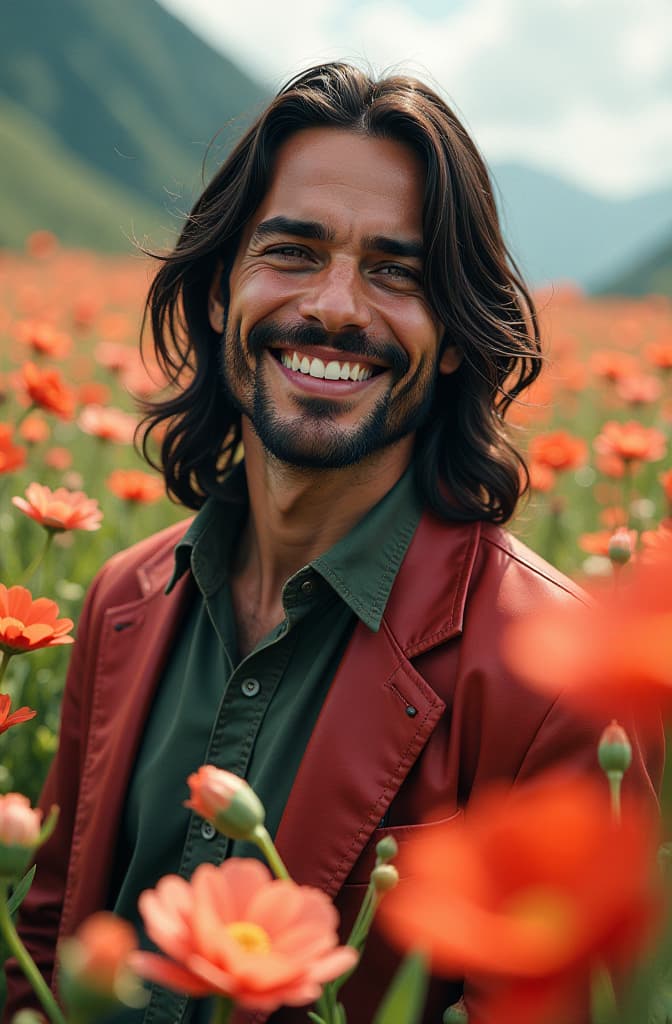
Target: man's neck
[[297, 514]]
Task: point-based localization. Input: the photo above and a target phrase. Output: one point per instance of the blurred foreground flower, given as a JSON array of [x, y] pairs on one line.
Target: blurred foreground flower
[[94, 972], [527, 896], [613, 658], [60, 509], [235, 931], [26, 625]]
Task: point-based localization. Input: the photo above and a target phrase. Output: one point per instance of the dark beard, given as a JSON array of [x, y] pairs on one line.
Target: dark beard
[[317, 442]]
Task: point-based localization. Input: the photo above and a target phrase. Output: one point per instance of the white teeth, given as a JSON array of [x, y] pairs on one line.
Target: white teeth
[[315, 367]]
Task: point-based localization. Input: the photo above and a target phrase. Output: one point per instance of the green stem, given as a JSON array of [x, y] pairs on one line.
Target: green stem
[[222, 1010], [26, 412], [615, 779], [27, 964], [4, 662], [263, 842], [39, 558], [627, 493]]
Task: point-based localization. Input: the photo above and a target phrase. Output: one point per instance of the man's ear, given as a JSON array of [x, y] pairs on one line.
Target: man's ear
[[216, 308], [450, 359]]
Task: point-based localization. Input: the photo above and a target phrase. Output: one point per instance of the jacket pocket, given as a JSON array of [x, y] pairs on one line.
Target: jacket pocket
[[403, 834]]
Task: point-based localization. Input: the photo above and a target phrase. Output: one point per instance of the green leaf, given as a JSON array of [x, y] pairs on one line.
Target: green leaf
[[315, 1017], [404, 1001], [21, 890]]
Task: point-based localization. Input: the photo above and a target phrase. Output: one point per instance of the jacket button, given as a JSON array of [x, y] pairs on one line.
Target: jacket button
[[208, 830], [250, 687], [307, 587], [411, 711]]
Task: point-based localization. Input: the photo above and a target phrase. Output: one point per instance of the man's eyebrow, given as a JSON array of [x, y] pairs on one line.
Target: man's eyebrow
[[288, 226], [395, 246]]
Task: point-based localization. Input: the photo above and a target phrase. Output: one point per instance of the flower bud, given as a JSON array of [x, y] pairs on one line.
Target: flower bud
[[29, 1017], [95, 976], [386, 849], [226, 800], [620, 546], [456, 1014], [384, 877], [614, 751], [19, 833]]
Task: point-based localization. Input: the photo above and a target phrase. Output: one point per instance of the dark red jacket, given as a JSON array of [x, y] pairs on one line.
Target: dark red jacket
[[437, 651]]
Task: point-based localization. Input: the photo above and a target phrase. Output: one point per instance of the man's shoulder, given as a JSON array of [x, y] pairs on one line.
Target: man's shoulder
[[502, 549], [141, 568]]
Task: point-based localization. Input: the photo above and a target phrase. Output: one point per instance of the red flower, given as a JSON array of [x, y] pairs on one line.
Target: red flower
[[60, 509], [17, 717], [134, 485], [12, 456], [527, 895], [47, 389], [559, 450], [235, 931], [43, 338], [27, 625], [631, 442], [612, 658], [34, 429]]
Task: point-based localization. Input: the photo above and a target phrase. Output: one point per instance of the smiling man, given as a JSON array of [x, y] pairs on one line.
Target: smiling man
[[341, 302]]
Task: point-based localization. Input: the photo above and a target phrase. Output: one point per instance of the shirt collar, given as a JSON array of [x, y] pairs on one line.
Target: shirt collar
[[361, 567]]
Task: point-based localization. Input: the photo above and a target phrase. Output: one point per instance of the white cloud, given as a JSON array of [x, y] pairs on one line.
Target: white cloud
[[583, 87]]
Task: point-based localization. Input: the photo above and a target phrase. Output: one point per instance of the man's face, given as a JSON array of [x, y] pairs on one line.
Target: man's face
[[330, 347]]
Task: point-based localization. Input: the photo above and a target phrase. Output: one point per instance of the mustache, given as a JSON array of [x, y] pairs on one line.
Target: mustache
[[358, 343]]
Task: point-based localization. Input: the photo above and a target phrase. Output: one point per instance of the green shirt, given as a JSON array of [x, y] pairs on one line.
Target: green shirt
[[253, 716]]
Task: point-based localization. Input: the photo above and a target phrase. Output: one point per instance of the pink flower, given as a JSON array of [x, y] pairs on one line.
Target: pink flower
[[60, 509], [19, 823], [235, 931], [226, 800]]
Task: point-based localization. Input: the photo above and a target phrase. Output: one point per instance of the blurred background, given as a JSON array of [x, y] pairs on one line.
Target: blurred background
[[107, 111]]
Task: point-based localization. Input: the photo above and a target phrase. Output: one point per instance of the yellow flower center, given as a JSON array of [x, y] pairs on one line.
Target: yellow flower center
[[542, 910], [250, 937]]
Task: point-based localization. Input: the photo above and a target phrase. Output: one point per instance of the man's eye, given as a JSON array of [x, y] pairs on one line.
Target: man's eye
[[288, 252], [398, 272]]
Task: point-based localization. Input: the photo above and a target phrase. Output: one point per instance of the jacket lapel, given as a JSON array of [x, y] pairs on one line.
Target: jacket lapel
[[379, 712]]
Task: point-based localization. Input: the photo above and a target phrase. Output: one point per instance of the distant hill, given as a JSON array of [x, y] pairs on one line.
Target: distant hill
[[128, 94], [650, 276], [107, 110], [561, 232]]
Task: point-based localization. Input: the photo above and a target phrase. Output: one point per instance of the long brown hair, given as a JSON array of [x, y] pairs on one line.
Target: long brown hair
[[466, 466]]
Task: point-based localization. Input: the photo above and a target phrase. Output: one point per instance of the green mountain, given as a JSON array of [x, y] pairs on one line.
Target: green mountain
[[652, 275], [115, 100]]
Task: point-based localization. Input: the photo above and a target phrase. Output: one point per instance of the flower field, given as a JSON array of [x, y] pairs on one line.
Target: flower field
[[596, 428]]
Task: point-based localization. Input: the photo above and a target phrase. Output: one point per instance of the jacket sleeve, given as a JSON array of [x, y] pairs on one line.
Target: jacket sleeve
[[40, 914]]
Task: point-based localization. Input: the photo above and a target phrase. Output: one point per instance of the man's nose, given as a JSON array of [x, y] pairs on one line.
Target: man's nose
[[335, 297]]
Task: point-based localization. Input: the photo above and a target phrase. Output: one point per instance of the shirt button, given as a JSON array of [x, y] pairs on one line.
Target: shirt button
[[250, 687], [307, 587], [208, 830]]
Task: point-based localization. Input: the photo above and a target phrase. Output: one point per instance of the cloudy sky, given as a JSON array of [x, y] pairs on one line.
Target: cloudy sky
[[582, 88]]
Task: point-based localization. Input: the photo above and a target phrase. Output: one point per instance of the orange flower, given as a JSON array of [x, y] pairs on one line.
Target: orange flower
[[93, 393], [528, 895], [107, 424], [60, 509], [659, 353], [235, 931], [631, 442], [613, 365], [639, 389], [612, 659], [12, 456], [559, 450], [47, 389], [542, 477], [666, 481], [27, 625], [17, 717], [134, 485], [95, 975], [43, 338], [34, 429], [58, 458]]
